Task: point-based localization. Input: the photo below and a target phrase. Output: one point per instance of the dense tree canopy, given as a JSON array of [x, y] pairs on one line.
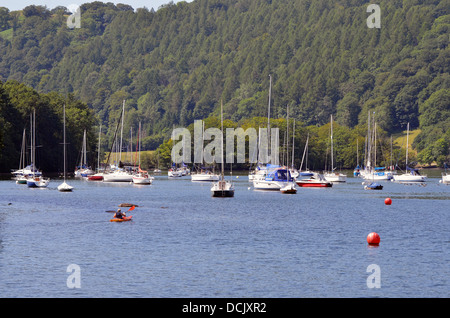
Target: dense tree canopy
[[173, 66]]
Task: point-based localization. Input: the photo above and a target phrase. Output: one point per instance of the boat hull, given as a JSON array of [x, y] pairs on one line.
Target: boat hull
[[409, 178], [141, 180], [312, 184], [269, 185], [95, 177], [117, 177], [64, 187], [204, 177], [335, 177], [38, 183]]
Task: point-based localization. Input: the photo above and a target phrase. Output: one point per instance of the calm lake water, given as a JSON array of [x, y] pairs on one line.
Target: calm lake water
[[184, 243]]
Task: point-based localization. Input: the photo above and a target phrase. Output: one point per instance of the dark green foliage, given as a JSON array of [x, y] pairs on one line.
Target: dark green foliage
[[175, 65], [17, 102]]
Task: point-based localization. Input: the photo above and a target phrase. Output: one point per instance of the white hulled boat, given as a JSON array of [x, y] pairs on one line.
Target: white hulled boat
[[222, 188], [35, 180], [141, 177], [334, 176], [445, 178], [276, 179], [64, 187], [413, 174]]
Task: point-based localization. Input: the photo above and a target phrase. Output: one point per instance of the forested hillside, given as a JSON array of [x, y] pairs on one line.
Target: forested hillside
[[174, 65]]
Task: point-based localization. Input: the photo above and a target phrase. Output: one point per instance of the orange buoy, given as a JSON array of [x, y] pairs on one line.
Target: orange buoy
[[388, 201], [373, 238]]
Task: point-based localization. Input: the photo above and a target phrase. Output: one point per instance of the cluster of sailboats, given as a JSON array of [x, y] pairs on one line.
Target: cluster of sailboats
[[33, 177], [271, 177]]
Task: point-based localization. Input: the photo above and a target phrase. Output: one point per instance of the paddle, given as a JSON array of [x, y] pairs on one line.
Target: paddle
[[130, 209]]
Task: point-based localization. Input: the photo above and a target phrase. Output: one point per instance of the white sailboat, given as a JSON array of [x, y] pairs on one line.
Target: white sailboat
[[306, 172], [98, 176], [260, 172], [35, 180], [334, 176], [19, 174], [202, 174], [222, 188], [83, 171], [413, 175], [119, 174], [371, 171], [141, 177], [64, 187], [445, 178]]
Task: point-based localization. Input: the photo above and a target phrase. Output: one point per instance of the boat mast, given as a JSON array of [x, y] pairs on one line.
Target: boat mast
[[268, 122], [331, 135], [293, 147], [121, 132], [64, 137], [221, 121], [407, 143], [98, 151]]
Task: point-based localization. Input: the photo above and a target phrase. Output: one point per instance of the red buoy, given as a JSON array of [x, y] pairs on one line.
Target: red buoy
[[373, 238], [388, 201]]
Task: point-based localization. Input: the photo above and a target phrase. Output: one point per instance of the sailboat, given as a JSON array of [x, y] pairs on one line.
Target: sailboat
[[64, 187], [357, 170], [413, 174], [371, 171], [35, 180], [83, 171], [141, 177], [289, 188], [261, 171], [307, 172], [203, 174], [445, 176], [98, 176], [19, 175], [333, 176], [119, 174], [222, 188]]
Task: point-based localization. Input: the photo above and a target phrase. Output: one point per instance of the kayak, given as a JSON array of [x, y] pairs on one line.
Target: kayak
[[127, 218]]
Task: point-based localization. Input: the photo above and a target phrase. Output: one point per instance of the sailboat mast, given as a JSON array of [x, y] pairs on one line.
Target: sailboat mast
[[293, 147], [268, 121], [33, 142], [121, 132], [221, 121], [98, 151], [64, 138], [332, 168], [287, 134], [407, 143]]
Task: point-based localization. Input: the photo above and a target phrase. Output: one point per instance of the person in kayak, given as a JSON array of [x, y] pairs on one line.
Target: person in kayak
[[119, 214]]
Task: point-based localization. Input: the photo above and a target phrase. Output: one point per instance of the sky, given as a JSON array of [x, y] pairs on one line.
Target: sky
[[20, 4]]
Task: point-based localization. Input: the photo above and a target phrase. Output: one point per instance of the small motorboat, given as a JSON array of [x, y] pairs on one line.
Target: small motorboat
[[373, 186], [289, 189], [316, 181]]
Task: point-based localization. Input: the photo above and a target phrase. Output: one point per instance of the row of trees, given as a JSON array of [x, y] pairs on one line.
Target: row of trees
[[17, 102], [173, 66], [348, 144]]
